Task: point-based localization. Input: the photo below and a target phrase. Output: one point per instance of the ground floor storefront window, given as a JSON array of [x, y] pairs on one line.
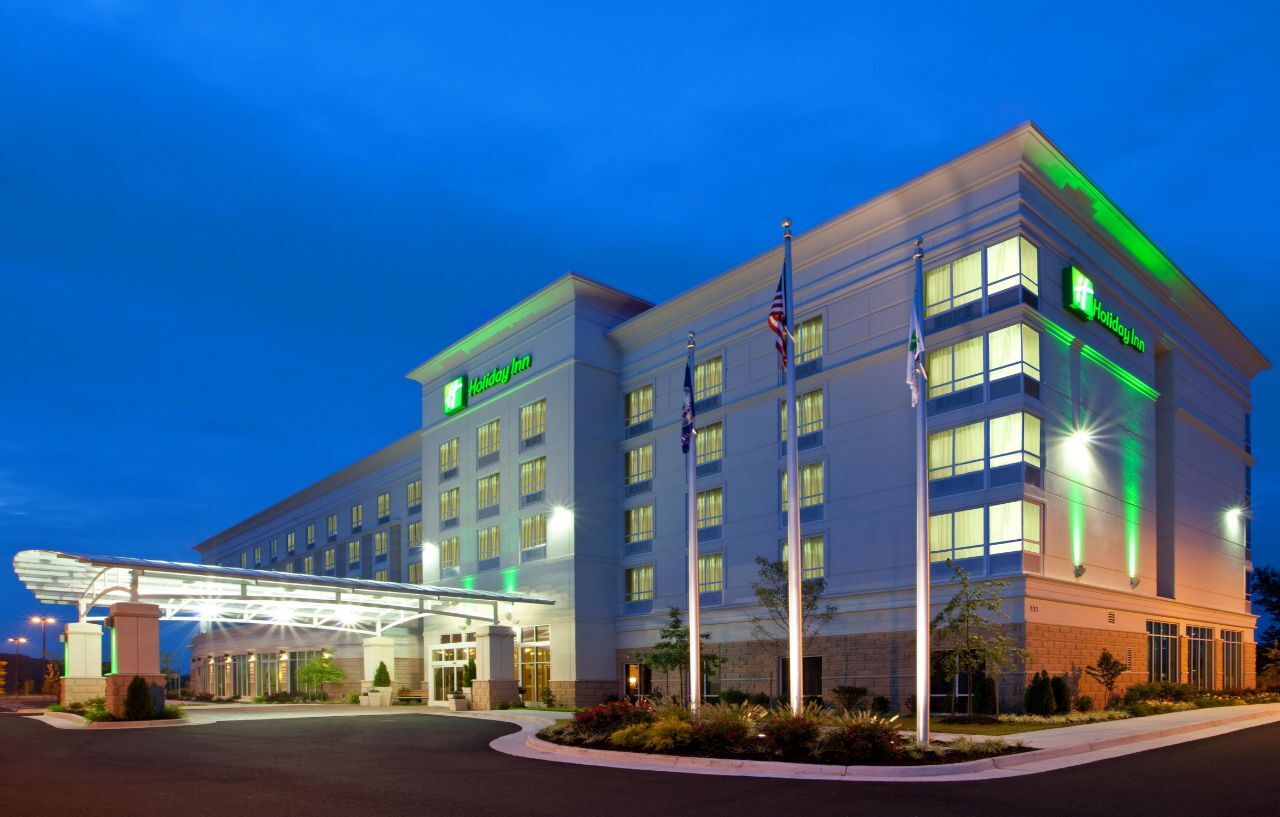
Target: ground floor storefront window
[[533, 661], [267, 677], [1162, 651], [1200, 657], [449, 664], [297, 660], [1232, 659]]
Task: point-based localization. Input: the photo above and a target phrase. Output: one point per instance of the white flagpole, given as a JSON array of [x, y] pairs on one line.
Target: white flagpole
[[695, 613], [795, 570], [923, 609]]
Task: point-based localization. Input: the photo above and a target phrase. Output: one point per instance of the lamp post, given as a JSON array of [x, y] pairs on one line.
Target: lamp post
[[18, 642], [43, 621]]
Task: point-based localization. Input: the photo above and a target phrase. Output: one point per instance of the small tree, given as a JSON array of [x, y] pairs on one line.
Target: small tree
[[137, 700], [469, 672], [671, 651], [381, 677], [773, 629], [52, 678], [320, 671], [1106, 672], [969, 628]]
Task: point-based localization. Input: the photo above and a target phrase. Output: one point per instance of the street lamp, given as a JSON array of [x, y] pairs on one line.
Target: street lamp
[[43, 621], [19, 641]]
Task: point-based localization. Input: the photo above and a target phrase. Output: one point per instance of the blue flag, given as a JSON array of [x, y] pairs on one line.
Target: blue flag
[[686, 411]]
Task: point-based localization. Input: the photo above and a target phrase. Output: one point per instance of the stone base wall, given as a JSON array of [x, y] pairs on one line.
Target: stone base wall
[[79, 690], [118, 689], [488, 694], [1068, 650], [354, 668], [409, 673], [582, 693]]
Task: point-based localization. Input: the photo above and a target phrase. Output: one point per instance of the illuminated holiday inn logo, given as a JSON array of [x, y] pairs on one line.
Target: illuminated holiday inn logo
[[459, 391], [1079, 297]]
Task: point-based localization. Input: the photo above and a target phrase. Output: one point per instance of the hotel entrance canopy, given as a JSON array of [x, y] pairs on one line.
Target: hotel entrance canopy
[[210, 593]]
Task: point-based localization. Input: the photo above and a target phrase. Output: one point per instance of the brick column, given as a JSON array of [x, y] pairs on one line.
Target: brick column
[[495, 667], [82, 663], [135, 651]]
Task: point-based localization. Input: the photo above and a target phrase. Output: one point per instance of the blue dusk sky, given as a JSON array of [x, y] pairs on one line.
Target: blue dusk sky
[[227, 230]]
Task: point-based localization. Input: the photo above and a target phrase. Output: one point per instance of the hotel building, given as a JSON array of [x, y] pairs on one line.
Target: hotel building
[[1088, 416]]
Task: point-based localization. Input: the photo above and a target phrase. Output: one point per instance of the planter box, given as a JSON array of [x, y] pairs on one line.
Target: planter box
[[459, 704]]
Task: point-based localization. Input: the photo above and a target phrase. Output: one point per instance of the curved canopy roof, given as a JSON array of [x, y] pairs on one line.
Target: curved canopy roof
[[194, 592]]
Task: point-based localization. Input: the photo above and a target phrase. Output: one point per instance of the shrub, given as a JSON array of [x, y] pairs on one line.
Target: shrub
[[1061, 694], [353, 698], [548, 697], [560, 732], [604, 719], [881, 705], [788, 736], [848, 697], [984, 695], [1038, 699], [631, 737], [1084, 703], [137, 700], [54, 708], [729, 728], [732, 696], [758, 699], [1160, 691], [860, 738], [381, 678], [666, 734]]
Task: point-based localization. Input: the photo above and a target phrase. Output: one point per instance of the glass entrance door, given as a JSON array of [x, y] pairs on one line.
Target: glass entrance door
[[449, 670]]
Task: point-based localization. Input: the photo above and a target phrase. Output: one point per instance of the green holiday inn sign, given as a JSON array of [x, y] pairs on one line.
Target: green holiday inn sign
[[459, 391], [1079, 297]]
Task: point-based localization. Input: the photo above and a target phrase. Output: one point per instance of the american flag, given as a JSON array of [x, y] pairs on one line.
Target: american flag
[[686, 411], [778, 319]]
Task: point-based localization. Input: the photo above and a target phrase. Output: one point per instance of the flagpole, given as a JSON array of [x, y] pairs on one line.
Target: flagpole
[[923, 609], [695, 613], [795, 570]]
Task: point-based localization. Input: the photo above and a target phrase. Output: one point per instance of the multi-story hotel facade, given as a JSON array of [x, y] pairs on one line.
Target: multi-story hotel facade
[[1088, 415]]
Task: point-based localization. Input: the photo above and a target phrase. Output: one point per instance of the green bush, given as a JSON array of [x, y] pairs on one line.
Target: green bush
[[788, 736], [848, 697], [137, 700], [598, 722], [732, 696], [1061, 694], [381, 678], [1160, 691], [666, 734], [860, 738], [1084, 703], [881, 705], [758, 699], [353, 698], [1038, 699], [54, 708], [631, 737]]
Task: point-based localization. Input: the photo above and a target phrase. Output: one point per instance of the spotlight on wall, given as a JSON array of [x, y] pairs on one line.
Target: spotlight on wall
[[1079, 443], [1079, 571], [561, 520], [1134, 581]]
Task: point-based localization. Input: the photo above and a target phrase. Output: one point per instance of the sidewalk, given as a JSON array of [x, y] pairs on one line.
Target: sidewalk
[[1055, 749]]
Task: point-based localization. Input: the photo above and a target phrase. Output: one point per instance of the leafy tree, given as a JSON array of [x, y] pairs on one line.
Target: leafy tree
[[4, 675], [137, 700], [469, 672], [1039, 697], [52, 684], [969, 628], [320, 671], [773, 628], [1266, 602], [1107, 672], [381, 677], [671, 651]]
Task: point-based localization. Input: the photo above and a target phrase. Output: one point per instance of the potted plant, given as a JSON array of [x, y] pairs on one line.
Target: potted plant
[[380, 695], [457, 701]]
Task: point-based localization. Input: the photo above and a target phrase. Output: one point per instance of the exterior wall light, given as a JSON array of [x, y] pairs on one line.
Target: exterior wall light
[[1079, 571]]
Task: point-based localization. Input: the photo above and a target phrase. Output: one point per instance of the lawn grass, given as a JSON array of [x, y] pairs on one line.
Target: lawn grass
[[989, 729]]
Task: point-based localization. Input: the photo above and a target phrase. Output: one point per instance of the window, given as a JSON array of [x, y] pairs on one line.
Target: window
[[1200, 657], [1015, 438], [808, 413], [953, 368], [415, 573], [708, 443], [415, 534], [958, 535], [534, 670], [811, 485], [710, 507], [1015, 526], [380, 545], [449, 455], [244, 559], [638, 523], [813, 561], [257, 555], [311, 534], [487, 438], [639, 405], [956, 451], [353, 552], [1014, 350], [809, 340], [330, 559], [288, 566], [533, 420], [272, 548], [413, 494], [333, 525], [380, 575], [1013, 262], [450, 552], [708, 378], [638, 582], [711, 573], [487, 491], [1162, 651], [639, 463], [533, 476], [357, 517], [952, 285], [384, 507], [1232, 659], [533, 531], [309, 565], [449, 505], [488, 543], [290, 541]]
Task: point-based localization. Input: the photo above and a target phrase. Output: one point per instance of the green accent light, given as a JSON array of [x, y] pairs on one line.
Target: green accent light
[[115, 665], [455, 395], [1118, 372], [469, 582], [1058, 332], [459, 391], [1131, 472], [1080, 298], [510, 579], [1076, 523]]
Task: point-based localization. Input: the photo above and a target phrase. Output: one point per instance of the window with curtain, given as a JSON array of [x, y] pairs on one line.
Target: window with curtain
[[450, 552], [709, 443], [957, 535], [710, 507], [333, 524], [257, 555], [955, 367], [488, 437], [638, 583], [956, 451], [384, 505], [309, 564], [415, 534], [639, 405], [353, 552], [357, 516], [415, 573], [809, 413], [952, 285], [488, 543], [449, 505], [639, 464], [1015, 526], [1013, 350], [330, 559], [809, 339], [487, 491], [708, 378], [812, 485], [1011, 263], [533, 476], [533, 531], [1015, 438], [381, 575], [533, 419], [813, 557], [638, 523], [311, 534], [413, 493], [711, 572], [380, 543], [449, 455]]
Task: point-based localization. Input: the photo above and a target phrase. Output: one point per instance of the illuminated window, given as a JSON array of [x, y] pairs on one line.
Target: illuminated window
[[290, 540], [809, 413], [353, 552], [1015, 526], [1015, 438], [448, 505], [380, 544], [710, 507], [813, 556], [533, 531], [953, 368], [384, 506], [288, 566], [357, 517], [333, 525], [330, 559], [952, 285], [639, 405], [956, 451], [533, 419], [413, 494], [1012, 350], [533, 476], [415, 573], [311, 534], [487, 491], [638, 523], [709, 443], [380, 575], [1162, 651], [257, 555], [488, 438], [809, 340], [958, 535], [639, 464], [1011, 263], [638, 582], [244, 559], [708, 378], [488, 543], [450, 552], [711, 572], [449, 455], [1232, 659], [812, 485], [415, 534], [1200, 656], [309, 565]]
